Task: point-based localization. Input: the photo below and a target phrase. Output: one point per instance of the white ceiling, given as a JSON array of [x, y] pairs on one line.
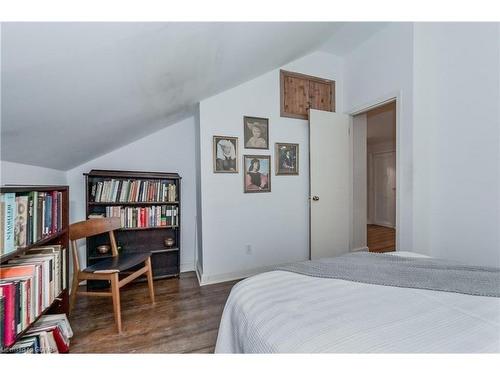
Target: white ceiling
[[84, 89], [350, 35]]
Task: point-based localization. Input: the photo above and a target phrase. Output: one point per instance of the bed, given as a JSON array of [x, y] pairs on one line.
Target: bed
[[288, 312]]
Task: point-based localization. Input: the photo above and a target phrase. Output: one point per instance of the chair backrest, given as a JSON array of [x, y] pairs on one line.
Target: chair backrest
[[93, 227]]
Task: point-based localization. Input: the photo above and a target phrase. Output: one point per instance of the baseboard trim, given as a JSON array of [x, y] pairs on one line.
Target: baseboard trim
[[230, 276], [364, 248], [187, 267]]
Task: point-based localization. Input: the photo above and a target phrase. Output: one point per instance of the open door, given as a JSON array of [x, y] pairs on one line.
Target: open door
[[329, 183]]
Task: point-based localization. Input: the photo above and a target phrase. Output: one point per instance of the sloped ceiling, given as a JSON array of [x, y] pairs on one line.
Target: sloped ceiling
[[349, 35], [74, 91]]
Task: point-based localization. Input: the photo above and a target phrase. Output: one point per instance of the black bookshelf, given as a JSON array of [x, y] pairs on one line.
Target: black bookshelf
[[165, 260]]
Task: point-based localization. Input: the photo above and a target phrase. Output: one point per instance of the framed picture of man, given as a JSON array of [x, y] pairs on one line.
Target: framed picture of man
[[287, 159], [256, 132], [257, 175], [225, 154]]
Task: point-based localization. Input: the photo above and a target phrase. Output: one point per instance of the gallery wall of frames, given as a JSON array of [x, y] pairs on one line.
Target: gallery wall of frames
[[256, 168]]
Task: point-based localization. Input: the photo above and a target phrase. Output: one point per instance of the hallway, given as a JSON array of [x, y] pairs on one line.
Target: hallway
[[381, 239]]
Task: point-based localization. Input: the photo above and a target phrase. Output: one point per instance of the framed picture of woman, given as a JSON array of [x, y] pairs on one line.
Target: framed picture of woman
[[225, 154], [287, 159], [257, 176], [256, 131]]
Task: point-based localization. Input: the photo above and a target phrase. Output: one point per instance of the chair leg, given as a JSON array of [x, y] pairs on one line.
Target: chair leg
[[115, 291], [149, 274], [74, 289]]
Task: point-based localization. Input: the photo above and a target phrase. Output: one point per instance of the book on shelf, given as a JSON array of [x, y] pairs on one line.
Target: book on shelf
[[2, 309], [50, 334], [30, 283], [27, 218], [145, 217], [8, 213], [132, 191]]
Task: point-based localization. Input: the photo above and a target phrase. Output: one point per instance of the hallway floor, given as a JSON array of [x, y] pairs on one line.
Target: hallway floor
[[381, 239]]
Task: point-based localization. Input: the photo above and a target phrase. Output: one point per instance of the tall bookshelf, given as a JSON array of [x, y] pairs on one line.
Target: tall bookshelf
[[165, 259], [61, 302]]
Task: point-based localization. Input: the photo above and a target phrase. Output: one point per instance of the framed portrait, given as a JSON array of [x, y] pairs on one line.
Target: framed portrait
[[257, 173], [256, 132], [287, 159], [225, 154]]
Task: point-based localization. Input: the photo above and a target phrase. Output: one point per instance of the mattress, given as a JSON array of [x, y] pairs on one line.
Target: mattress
[[285, 312]]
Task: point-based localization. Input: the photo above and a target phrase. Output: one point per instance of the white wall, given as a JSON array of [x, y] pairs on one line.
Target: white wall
[[359, 177], [380, 68], [171, 149], [275, 224], [457, 154], [23, 174]]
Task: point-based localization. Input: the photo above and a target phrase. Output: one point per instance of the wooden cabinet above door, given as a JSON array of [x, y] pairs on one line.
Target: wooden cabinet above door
[[299, 92]]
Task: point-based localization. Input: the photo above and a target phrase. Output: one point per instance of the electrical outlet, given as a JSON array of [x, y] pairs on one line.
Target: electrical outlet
[[248, 249]]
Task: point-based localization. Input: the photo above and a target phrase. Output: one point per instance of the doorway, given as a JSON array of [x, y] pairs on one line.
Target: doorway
[[374, 179], [343, 182]]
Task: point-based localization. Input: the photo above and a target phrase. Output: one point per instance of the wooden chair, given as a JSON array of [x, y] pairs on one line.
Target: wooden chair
[[108, 269]]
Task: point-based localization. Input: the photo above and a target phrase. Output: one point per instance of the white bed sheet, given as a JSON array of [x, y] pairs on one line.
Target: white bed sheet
[[284, 312]]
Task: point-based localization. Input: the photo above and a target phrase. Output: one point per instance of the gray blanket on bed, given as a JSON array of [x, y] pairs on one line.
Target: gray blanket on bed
[[420, 273]]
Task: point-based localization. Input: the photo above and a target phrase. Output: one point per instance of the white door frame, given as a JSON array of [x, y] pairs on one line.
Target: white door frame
[[390, 97]]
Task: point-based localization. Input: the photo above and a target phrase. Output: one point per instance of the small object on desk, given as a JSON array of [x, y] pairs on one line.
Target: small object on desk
[[169, 242], [103, 249]]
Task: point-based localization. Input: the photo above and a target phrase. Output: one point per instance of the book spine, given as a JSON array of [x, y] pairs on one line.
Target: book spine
[[20, 229], [2, 222], [93, 191], [9, 328], [59, 216], [48, 214], [44, 204], [55, 211], [30, 230], [9, 222], [2, 318], [40, 215], [17, 306]]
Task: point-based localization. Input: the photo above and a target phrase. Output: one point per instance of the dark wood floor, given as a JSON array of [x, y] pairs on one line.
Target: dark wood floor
[[381, 239], [185, 319]]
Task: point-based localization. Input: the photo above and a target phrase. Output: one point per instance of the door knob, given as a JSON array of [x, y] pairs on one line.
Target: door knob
[[315, 198]]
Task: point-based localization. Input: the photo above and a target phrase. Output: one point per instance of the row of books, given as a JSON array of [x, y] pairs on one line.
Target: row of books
[[50, 334], [28, 218], [129, 191], [29, 284], [144, 217]]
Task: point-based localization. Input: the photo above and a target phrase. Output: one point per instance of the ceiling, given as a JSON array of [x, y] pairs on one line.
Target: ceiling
[[84, 89], [350, 35], [381, 124]]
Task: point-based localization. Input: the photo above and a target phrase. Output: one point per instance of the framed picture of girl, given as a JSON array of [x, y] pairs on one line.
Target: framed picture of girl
[[257, 176], [225, 154], [287, 159], [256, 132]]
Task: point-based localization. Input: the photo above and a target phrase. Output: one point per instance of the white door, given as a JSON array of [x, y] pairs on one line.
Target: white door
[[384, 185], [329, 169]]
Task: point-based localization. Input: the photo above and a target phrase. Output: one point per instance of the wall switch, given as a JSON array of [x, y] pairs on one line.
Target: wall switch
[[248, 249]]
